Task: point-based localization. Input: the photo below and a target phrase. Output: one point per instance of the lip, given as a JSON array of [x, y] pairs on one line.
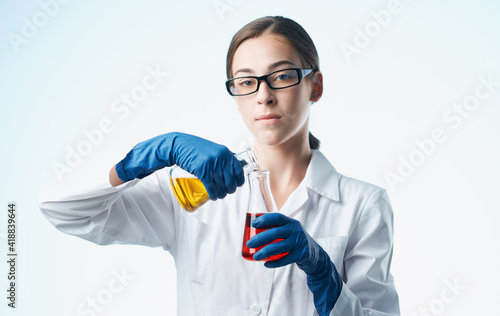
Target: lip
[[268, 119]]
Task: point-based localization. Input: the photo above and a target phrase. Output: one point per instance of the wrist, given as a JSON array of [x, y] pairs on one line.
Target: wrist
[[326, 285], [119, 170], [326, 292], [114, 179], [316, 263]]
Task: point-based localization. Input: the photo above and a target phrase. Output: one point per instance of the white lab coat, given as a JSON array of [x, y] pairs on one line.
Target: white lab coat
[[350, 219]]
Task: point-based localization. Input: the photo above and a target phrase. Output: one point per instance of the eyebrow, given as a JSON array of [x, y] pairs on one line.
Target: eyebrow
[[272, 66]]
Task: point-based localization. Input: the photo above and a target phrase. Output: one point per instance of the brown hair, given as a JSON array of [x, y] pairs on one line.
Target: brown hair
[[287, 28]]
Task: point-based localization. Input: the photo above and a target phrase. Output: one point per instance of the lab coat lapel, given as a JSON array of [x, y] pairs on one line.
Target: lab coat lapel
[[320, 177], [295, 201]]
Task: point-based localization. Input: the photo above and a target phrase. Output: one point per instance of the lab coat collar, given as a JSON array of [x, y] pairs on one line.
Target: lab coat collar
[[322, 177]]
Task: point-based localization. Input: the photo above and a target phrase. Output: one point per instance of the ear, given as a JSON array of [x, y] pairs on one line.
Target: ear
[[317, 87]]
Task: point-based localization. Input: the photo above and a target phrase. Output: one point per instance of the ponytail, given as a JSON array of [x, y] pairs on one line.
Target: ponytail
[[314, 143]]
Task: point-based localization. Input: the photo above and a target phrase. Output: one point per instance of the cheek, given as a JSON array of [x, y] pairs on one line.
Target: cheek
[[298, 101]]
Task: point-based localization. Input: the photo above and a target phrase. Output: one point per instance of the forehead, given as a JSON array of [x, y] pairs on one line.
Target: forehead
[[258, 54]]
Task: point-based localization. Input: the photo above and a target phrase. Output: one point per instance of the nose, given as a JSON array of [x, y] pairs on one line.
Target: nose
[[265, 94]]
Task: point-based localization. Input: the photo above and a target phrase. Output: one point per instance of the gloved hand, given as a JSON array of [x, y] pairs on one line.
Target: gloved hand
[[322, 277], [214, 164]]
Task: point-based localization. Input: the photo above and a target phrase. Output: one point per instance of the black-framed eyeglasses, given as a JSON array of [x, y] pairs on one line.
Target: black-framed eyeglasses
[[279, 79]]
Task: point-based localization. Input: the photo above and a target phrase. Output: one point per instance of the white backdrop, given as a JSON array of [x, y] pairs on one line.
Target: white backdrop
[[411, 103]]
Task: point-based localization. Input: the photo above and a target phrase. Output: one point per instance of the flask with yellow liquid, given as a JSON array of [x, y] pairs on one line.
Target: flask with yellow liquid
[[189, 190]]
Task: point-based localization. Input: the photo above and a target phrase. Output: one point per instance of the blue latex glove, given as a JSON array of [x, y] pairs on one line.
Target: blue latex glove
[[214, 164], [322, 277]]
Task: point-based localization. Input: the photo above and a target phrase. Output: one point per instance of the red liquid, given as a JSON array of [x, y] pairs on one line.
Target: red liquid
[[250, 231]]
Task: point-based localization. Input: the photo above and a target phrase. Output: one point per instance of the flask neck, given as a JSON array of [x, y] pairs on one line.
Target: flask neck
[[261, 198], [248, 160]]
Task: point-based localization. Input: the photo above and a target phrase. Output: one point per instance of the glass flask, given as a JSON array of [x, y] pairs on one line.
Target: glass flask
[[189, 190], [261, 202]]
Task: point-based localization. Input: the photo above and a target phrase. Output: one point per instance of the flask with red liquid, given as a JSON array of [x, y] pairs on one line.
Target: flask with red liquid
[[261, 202]]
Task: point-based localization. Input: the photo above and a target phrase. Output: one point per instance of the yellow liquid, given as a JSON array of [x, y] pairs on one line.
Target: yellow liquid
[[190, 193]]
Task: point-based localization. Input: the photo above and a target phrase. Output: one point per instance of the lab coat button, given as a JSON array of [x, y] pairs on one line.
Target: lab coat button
[[255, 309]]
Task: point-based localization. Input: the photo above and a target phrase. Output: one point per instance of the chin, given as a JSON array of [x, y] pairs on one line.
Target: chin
[[269, 138]]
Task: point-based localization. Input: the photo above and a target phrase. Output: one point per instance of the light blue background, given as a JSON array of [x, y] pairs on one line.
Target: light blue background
[[395, 91]]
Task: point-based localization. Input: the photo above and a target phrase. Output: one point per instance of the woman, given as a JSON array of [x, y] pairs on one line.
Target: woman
[[337, 230]]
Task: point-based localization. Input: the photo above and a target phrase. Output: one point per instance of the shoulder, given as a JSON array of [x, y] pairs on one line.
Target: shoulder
[[369, 203], [350, 187], [324, 174]]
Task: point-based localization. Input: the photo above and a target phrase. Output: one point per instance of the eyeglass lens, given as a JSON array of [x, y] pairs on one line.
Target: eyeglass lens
[[280, 79]]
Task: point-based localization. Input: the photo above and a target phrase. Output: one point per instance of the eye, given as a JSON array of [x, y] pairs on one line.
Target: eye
[[245, 83], [283, 77]]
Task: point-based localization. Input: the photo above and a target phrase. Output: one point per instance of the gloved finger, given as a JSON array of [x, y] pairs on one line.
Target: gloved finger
[[230, 181], [271, 220], [275, 248], [211, 190], [237, 170], [281, 262], [220, 184], [238, 173], [268, 236]]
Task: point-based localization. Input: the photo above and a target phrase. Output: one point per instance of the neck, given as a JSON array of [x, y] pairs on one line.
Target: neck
[[287, 164]]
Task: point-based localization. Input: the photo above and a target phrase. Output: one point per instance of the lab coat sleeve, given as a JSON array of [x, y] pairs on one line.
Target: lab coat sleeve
[[138, 212], [368, 287]]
